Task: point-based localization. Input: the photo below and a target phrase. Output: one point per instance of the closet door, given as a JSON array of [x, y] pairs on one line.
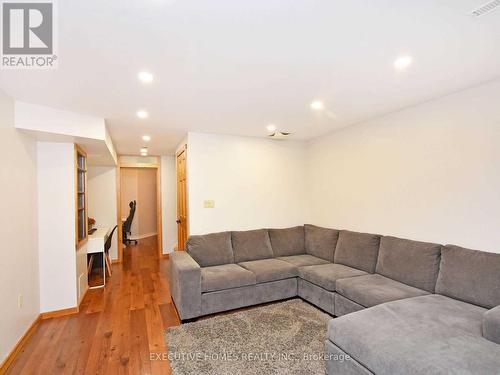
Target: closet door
[[182, 216]]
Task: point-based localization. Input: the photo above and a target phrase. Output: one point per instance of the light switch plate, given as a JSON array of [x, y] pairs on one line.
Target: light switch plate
[[208, 204]]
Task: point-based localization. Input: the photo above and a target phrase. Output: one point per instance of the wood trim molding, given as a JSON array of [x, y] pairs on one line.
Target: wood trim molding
[[19, 346], [80, 243], [159, 225], [59, 313], [159, 207], [182, 234], [181, 149], [139, 165], [119, 248]]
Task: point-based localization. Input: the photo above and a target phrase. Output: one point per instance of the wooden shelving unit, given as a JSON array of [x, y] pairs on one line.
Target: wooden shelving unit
[[81, 207]]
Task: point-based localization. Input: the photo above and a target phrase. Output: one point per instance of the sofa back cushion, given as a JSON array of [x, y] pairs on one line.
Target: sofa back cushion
[[357, 250], [469, 275], [251, 245], [411, 262], [211, 249], [321, 242], [289, 241]]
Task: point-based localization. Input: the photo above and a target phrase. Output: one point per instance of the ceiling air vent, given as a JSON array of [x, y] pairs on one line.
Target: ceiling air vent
[[279, 135], [486, 8]]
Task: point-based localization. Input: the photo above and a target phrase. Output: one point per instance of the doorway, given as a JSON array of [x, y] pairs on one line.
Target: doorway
[[182, 216], [139, 186]]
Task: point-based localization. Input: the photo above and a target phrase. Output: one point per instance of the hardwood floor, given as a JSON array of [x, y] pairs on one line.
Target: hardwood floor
[[118, 330]]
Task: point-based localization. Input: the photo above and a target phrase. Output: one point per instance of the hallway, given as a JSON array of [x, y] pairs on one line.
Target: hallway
[[118, 328]]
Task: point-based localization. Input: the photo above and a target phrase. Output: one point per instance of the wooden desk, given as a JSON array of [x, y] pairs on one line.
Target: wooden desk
[[95, 245]]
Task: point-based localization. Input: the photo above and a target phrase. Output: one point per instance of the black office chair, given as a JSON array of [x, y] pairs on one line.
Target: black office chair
[[127, 225], [107, 246]]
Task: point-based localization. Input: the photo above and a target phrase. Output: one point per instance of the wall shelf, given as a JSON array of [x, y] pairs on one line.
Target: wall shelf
[[81, 213]]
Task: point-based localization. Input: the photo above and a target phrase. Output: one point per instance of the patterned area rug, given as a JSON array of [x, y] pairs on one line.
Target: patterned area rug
[[282, 338]]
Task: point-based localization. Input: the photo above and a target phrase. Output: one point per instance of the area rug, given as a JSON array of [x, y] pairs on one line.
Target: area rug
[[281, 338]]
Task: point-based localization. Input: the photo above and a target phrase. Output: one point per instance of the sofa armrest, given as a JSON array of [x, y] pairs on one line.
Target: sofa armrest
[[185, 284], [491, 325]]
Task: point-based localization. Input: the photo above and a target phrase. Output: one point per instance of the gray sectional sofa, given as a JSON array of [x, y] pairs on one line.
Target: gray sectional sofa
[[402, 306]]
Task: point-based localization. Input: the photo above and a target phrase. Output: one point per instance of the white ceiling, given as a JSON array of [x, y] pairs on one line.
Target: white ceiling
[[232, 67]]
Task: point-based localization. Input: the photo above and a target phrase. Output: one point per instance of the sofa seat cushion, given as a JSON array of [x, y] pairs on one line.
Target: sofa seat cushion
[[371, 290], [431, 334], [226, 276], [303, 260], [266, 270], [326, 275]]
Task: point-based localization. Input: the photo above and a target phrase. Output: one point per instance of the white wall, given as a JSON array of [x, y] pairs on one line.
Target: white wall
[[18, 230], [102, 201], [110, 145], [56, 224], [54, 125], [254, 182], [42, 118], [430, 172], [169, 203]]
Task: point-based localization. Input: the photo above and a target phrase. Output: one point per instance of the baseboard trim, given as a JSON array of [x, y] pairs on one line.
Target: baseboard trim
[[142, 236], [59, 313], [19, 345], [24, 338]]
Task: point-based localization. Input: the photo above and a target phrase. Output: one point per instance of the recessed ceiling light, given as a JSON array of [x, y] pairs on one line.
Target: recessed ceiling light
[[142, 114], [317, 105], [271, 127], [145, 77], [146, 138], [402, 62]]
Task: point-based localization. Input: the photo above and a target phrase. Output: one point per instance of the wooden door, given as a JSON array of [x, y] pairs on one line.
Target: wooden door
[[182, 217]]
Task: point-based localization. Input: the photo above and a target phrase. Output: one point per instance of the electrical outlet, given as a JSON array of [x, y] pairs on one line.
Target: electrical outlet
[[20, 301], [209, 204]]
